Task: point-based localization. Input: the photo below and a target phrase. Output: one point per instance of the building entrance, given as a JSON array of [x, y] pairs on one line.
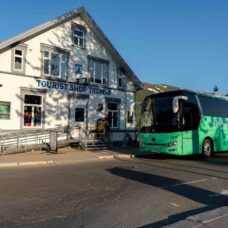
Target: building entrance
[[79, 115]]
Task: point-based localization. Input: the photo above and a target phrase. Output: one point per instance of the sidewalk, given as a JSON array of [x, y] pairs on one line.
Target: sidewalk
[[64, 155]]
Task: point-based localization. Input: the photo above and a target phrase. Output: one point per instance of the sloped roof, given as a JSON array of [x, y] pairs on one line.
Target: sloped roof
[[21, 38]]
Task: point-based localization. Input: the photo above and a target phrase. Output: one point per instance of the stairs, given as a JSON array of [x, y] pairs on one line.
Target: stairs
[[93, 142]]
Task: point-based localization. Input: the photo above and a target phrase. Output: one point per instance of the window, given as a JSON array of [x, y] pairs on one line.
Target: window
[[98, 71], [129, 117], [120, 77], [4, 110], [32, 110], [213, 106], [120, 82], [113, 113], [18, 59], [79, 35], [79, 114], [55, 63], [190, 115]]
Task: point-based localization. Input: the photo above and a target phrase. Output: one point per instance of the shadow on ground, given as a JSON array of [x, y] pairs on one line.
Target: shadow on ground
[[172, 185]]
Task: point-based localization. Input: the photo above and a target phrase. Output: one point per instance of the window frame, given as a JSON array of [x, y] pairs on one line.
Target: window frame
[[104, 64], [82, 29], [113, 111], [130, 118], [9, 115], [60, 52], [33, 106], [120, 76], [212, 106], [23, 49], [84, 112]]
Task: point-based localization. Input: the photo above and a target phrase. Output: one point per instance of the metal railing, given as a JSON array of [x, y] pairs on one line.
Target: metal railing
[[90, 138], [25, 140]]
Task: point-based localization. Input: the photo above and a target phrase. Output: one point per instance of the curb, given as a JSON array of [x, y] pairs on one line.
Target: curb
[[117, 156], [61, 162], [11, 164], [125, 156], [50, 162], [106, 157], [22, 164]]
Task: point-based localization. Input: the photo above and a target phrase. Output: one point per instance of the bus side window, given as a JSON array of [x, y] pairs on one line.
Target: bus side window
[[190, 115], [187, 117]]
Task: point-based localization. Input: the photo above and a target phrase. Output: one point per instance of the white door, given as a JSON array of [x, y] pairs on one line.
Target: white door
[[79, 116]]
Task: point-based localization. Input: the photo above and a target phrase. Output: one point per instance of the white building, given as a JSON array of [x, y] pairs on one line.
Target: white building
[[65, 73]]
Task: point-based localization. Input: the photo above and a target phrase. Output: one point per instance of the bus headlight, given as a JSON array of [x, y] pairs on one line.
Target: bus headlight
[[174, 143]]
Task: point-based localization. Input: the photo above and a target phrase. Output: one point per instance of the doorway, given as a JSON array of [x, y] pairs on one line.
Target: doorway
[[79, 115]]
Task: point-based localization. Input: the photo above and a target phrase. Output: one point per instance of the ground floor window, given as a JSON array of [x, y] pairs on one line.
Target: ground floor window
[[113, 114], [79, 115], [4, 110], [32, 111]]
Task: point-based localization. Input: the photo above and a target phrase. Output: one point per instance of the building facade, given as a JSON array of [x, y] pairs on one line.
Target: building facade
[[65, 73]]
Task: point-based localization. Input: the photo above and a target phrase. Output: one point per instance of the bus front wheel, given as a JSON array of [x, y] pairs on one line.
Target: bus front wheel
[[207, 148]]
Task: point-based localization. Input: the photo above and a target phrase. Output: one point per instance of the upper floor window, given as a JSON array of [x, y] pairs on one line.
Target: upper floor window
[[98, 70], [130, 117], [78, 35], [18, 59], [120, 78], [55, 63]]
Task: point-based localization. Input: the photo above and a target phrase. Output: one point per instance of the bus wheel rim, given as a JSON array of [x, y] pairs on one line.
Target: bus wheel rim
[[207, 148]]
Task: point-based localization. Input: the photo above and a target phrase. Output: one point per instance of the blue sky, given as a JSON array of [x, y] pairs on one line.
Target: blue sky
[[177, 42]]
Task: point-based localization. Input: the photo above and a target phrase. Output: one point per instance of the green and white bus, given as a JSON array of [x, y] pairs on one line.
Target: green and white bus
[[184, 122]]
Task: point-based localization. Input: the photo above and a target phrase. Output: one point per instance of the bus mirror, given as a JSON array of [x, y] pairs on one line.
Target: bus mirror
[[176, 102]]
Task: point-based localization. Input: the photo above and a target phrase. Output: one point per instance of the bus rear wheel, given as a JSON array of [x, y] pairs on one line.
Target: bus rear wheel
[[207, 148]]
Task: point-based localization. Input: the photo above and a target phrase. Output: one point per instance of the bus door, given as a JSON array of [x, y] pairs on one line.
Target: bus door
[[189, 124]]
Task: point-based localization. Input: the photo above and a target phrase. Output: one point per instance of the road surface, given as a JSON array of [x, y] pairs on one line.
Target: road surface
[[142, 192]]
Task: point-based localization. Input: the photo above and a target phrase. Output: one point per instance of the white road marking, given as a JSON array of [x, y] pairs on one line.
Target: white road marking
[[190, 182], [211, 220], [223, 192], [184, 183], [174, 204]]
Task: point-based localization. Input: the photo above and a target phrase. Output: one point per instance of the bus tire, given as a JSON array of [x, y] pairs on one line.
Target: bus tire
[[207, 148]]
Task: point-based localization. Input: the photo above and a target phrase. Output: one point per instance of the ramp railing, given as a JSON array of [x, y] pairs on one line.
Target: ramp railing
[[26, 140]]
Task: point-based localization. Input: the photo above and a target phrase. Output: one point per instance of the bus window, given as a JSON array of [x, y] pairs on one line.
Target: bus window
[[187, 119], [146, 116], [190, 116]]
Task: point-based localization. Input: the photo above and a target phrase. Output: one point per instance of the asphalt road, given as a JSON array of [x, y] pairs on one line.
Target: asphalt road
[[148, 192]]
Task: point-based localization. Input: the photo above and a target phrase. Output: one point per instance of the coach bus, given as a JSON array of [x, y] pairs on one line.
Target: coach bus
[[184, 122]]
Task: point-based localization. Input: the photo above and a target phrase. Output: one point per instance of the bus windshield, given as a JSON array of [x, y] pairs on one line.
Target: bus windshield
[[157, 115]]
